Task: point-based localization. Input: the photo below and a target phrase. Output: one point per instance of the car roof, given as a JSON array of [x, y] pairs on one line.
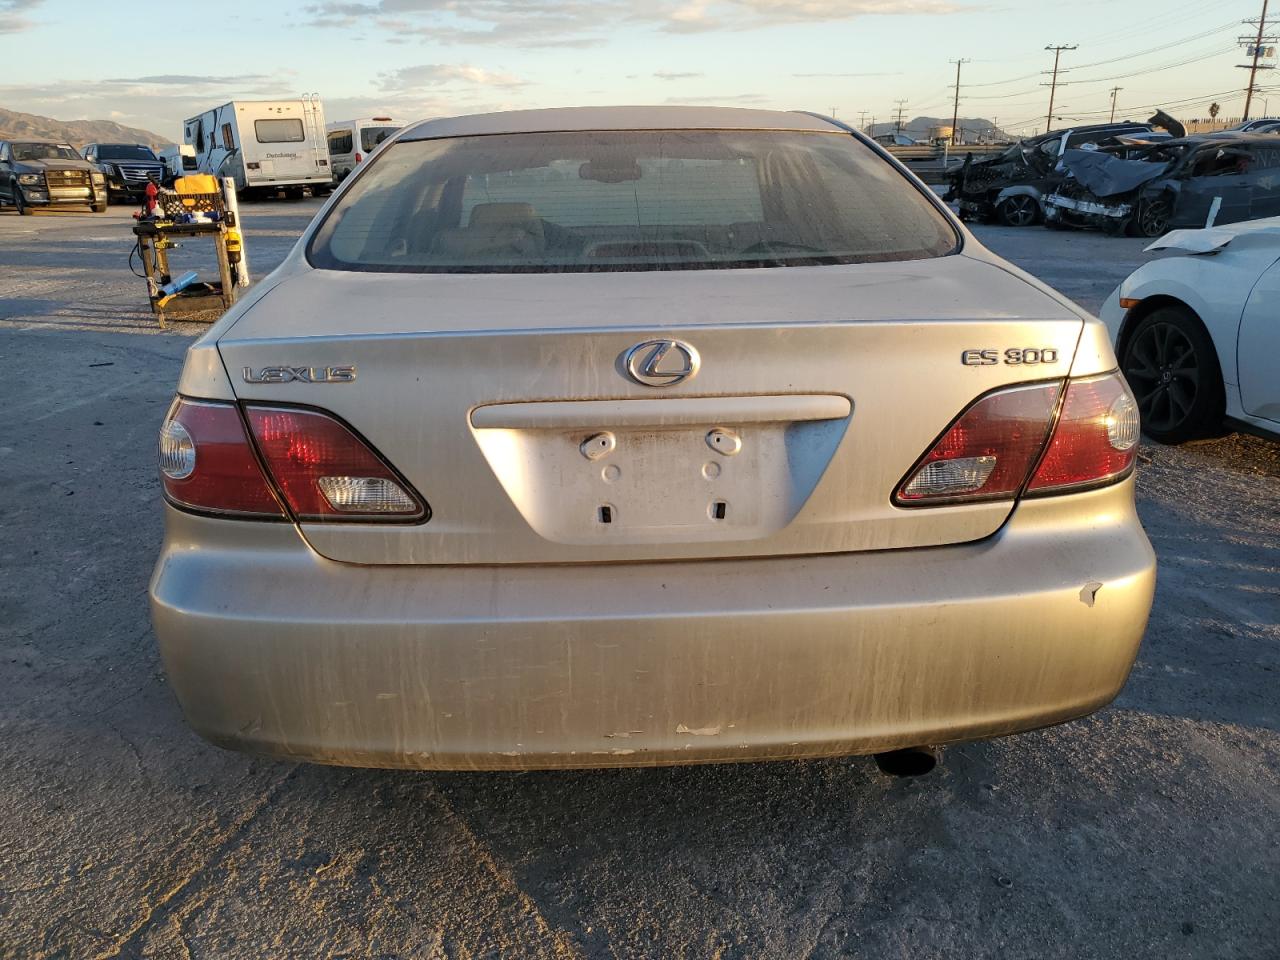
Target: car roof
[[568, 119]]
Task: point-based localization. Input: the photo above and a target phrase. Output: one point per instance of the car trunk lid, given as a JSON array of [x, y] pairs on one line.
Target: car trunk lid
[[505, 399]]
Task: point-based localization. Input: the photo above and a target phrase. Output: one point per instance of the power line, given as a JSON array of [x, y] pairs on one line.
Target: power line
[[1131, 56], [1145, 71], [1141, 28], [1226, 96], [1162, 47]]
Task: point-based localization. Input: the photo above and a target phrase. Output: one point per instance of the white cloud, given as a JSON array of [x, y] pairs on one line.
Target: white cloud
[[580, 23], [13, 15], [190, 80], [430, 75]]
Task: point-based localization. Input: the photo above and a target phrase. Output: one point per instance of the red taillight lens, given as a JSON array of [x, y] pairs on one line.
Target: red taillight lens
[[1096, 439], [359, 158], [988, 452], [207, 463], [326, 472]]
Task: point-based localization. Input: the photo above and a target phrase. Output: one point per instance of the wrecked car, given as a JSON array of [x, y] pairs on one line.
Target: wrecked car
[[1010, 187], [1191, 182]]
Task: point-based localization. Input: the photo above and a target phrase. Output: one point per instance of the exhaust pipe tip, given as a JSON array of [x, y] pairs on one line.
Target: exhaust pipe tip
[[908, 762]]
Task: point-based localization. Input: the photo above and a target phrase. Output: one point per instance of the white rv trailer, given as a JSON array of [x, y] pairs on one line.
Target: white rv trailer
[[263, 144]]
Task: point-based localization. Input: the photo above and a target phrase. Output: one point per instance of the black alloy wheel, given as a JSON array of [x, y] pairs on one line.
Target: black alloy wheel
[[1173, 370], [1019, 210], [1153, 217]]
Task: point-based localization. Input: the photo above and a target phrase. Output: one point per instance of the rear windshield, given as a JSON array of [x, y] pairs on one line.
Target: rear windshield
[[370, 137], [282, 130], [628, 200], [125, 151]]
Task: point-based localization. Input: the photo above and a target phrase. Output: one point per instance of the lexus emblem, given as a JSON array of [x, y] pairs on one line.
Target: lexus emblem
[[661, 363]]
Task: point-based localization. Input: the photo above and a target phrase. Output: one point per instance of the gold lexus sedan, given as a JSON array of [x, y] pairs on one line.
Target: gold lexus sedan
[[615, 436]]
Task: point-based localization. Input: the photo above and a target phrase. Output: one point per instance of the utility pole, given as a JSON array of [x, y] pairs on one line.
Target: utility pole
[[1253, 67], [955, 105], [1053, 84], [862, 120], [902, 108], [1114, 91]]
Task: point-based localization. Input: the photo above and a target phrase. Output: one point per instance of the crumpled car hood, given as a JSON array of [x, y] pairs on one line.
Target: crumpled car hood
[[1105, 175]]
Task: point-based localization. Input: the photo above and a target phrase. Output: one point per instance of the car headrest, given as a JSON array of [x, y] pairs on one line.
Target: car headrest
[[504, 214]]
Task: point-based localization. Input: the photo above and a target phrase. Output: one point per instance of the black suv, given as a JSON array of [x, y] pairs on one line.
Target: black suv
[[128, 167], [44, 173]]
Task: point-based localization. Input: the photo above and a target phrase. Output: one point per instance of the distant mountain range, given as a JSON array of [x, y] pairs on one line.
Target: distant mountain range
[[15, 126], [922, 128]]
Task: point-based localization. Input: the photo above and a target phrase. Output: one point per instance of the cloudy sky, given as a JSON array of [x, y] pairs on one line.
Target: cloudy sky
[[69, 59]]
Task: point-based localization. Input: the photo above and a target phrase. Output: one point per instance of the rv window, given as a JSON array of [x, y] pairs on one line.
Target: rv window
[[281, 130], [228, 141], [339, 142], [188, 162], [200, 136]]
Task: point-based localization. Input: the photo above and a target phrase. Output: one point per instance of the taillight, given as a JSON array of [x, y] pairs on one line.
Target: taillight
[[319, 466], [1096, 439], [207, 463], [987, 452], [326, 472], [991, 450], [358, 158]]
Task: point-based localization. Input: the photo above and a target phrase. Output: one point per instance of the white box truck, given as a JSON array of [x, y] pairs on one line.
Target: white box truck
[[264, 145]]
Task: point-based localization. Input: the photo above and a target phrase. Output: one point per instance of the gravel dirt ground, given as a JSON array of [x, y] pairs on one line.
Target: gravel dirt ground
[[1146, 830]]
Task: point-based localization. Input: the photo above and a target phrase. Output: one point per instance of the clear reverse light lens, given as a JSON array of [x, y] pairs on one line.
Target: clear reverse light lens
[[177, 451], [943, 478], [366, 495], [1123, 422]]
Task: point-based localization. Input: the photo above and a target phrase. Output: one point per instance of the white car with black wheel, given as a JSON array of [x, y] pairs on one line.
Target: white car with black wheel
[[1198, 333]]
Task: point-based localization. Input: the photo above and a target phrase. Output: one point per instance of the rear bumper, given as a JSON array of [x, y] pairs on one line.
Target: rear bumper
[[281, 183], [274, 649]]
